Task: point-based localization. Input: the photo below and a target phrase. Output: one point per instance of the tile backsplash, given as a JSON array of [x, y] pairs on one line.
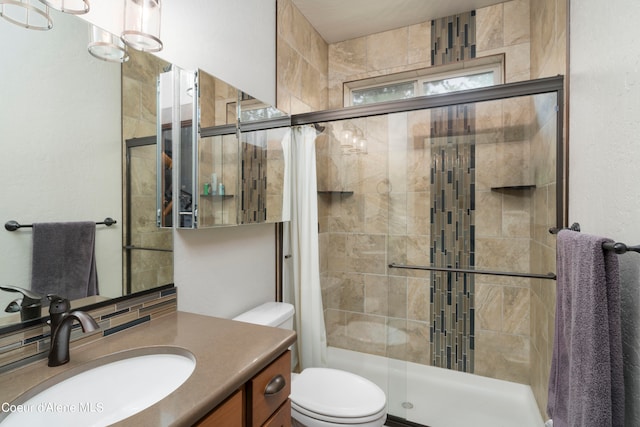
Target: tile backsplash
[[23, 346]]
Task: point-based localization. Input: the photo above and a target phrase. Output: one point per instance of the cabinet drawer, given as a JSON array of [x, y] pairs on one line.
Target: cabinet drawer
[[270, 389], [229, 413], [282, 418]]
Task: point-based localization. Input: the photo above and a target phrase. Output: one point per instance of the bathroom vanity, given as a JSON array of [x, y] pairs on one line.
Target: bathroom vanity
[[253, 404], [235, 363]]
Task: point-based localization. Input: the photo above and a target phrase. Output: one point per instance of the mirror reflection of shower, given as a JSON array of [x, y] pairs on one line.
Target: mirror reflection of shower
[[352, 138]]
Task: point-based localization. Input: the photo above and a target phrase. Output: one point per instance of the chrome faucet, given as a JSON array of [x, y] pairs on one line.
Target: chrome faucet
[[61, 321]]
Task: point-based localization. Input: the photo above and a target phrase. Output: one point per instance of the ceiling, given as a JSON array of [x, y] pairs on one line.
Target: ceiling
[[339, 20]]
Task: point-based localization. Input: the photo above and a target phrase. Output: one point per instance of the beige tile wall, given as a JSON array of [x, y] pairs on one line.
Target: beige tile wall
[[503, 233], [301, 61], [504, 217]]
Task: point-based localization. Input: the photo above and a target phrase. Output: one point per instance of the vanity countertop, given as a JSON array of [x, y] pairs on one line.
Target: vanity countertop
[[228, 354]]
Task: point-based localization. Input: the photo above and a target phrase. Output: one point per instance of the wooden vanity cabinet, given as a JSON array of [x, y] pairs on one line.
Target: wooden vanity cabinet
[[229, 413], [268, 391], [262, 402]]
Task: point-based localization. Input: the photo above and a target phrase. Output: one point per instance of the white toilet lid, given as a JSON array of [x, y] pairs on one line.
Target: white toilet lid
[[336, 393]]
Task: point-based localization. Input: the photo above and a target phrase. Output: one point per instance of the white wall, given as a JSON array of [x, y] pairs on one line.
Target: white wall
[[60, 132], [604, 192], [234, 41], [224, 271]]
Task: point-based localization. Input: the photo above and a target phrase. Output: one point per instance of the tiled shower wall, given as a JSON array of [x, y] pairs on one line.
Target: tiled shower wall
[[302, 62], [502, 344], [453, 243], [377, 213], [453, 183]]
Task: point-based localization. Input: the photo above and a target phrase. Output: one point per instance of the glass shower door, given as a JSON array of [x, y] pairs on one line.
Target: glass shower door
[[408, 201], [435, 250], [472, 195]]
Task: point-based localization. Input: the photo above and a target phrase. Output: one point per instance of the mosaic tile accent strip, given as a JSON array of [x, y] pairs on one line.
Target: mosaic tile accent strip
[[254, 178], [452, 332], [26, 345], [453, 38], [453, 239]]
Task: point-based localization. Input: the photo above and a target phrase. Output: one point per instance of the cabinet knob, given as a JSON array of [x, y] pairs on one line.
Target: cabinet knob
[[274, 386]]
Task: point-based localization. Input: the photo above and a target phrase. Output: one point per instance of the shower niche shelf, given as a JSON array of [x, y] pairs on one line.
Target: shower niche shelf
[[217, 196], [514, 187], [336, 192]]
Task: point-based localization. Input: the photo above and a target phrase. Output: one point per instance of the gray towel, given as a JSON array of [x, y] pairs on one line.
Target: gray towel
[[64, 261], [586, 387]]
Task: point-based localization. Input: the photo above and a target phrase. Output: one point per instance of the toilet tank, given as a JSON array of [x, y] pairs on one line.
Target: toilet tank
[[277, 314]]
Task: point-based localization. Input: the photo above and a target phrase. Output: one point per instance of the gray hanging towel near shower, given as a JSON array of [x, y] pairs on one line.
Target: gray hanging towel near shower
[[586, 387], [64, 259]]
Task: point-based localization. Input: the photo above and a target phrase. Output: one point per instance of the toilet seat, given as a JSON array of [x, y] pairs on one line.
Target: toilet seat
[[337, 397], [319, 419]]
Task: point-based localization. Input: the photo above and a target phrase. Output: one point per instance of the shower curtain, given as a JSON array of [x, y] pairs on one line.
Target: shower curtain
[[301, 276]]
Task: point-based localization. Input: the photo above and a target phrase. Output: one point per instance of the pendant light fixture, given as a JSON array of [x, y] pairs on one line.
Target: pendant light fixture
[[29, 14], [106, 46], [142, 25], [73, 7]]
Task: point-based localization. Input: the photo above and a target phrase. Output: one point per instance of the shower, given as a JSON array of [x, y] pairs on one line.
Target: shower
[[434, 242]]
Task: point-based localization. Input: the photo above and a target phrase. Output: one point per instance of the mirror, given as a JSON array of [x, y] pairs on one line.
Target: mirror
[[265, 151], [176, 109], [62, 136], [240, 156], [217, 152]]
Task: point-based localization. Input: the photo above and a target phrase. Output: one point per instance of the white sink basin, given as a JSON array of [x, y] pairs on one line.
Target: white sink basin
[[103, 391]]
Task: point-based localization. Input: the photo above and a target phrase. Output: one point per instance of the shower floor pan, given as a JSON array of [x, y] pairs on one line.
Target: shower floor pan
[[437, 397]]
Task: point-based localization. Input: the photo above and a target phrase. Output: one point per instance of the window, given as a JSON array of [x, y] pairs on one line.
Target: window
[[390, 92], [454, 84], [429, 81]]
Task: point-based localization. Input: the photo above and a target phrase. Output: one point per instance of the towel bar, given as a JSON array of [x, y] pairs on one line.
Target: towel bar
[[617, 247], [550, 276], [14, 225]]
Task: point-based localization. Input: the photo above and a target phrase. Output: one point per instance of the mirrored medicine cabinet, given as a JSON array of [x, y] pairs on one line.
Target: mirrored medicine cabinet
[[223, 156]]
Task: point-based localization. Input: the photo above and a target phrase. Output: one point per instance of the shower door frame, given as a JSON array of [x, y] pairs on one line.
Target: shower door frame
[[128, 244], [491, 93]]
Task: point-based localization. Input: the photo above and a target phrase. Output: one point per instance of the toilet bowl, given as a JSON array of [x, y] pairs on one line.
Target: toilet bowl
[[323, 397]]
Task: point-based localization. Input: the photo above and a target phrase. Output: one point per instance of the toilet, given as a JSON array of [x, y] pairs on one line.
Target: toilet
[[324, 397]]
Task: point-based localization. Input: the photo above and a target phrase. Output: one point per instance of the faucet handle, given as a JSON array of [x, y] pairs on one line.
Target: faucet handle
[[58, 305]]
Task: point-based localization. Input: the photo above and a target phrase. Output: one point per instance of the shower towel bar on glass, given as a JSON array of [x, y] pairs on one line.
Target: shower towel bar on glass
[[14, 225], [549, 276], [617, 247]]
